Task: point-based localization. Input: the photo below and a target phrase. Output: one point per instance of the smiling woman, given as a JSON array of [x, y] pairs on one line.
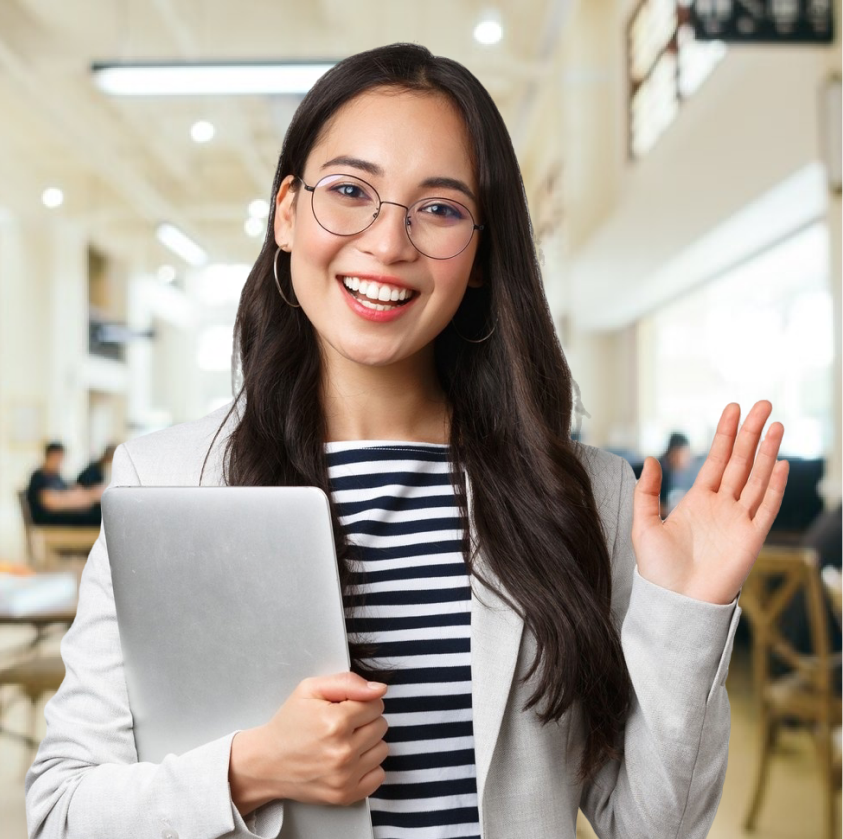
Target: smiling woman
[[522, 645]]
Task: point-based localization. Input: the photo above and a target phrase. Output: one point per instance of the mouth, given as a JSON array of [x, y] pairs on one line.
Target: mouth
[[381, 297]]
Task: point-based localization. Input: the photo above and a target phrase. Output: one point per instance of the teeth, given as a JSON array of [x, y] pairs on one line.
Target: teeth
[[376, 306], [376, 291]]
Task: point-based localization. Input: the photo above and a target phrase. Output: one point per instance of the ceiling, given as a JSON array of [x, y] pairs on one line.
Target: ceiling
[[127, 164]]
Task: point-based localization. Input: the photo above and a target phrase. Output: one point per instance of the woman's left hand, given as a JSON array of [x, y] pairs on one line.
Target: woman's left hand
[[709, 542]]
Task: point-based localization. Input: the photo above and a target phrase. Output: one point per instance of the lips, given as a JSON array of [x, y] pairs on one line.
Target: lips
[[376, 294], [375, 300]]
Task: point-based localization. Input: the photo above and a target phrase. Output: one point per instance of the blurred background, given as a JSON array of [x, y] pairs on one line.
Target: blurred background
[[682, 163]]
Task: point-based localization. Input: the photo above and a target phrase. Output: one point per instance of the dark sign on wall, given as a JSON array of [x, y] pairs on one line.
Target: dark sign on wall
[[767, 21]]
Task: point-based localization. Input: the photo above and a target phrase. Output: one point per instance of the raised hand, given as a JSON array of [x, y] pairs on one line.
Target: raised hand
[[707, 545]]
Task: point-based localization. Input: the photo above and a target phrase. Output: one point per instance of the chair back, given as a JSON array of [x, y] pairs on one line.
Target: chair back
[[28, 524], [779, 575]]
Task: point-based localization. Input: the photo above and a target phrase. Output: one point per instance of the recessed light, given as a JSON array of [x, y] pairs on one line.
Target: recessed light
[[202, 131], [489, 31], [52, 197], [253, 226], [259, 208]]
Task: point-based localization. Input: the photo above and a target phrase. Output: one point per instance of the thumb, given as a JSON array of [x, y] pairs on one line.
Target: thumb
[[645, 504], [341, 686]]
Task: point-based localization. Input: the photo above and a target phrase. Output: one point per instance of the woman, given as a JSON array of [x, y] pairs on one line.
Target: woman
[[397, 351]]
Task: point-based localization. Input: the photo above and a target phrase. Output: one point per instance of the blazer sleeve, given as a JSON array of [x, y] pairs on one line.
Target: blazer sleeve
[[86, 781], [676, 740]]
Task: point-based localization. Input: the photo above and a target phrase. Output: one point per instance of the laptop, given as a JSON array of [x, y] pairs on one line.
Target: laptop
[[226, 598]]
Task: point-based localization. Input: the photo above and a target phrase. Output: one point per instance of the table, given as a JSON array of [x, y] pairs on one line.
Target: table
[[32, 673]]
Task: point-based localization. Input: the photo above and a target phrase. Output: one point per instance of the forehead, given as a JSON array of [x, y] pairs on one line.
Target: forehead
[[410, 135]]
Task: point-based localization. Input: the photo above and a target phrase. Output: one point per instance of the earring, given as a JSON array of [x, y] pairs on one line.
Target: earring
[[474, 340], [278, 284]]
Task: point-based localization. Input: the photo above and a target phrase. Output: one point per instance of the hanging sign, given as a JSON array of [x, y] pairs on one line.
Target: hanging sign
[[764, 21]]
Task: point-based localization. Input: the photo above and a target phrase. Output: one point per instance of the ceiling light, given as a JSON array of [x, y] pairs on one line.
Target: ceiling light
[[259, 208], [202, 131], [166, 273], [52, 197], [180, 244], [208, 78], [253, 227], [489, 30]]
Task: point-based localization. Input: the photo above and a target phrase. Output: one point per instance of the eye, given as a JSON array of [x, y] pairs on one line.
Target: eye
[[349, 190], [442, 211]]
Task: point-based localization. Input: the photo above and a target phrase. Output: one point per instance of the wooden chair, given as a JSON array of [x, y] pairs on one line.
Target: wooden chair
[[46, 544], [31, 678], [806, 694]]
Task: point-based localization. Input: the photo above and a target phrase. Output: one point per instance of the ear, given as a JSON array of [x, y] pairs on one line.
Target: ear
[[475, 278], [285, 214]]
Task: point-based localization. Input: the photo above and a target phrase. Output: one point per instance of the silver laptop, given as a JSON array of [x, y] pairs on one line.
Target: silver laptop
[[226, 597]]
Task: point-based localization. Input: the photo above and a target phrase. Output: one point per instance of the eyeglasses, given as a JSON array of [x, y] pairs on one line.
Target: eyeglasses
[[344, 205]]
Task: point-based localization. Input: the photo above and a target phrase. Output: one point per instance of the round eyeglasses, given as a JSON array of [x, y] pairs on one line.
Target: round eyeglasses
[[345, 205]]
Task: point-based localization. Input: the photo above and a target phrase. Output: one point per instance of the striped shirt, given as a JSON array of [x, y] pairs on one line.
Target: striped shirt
[[396, 505]]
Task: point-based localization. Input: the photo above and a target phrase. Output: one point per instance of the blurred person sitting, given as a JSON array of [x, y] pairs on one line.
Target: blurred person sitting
[[53, 502], [98, 471], [676, 458]]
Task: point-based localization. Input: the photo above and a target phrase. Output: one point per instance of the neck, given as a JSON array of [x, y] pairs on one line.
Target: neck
[[400, 401]]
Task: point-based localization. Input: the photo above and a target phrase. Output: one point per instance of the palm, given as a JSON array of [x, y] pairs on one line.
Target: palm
[[706, 547]]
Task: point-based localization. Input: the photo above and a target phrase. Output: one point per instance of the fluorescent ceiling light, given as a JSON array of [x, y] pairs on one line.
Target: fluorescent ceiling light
[[181, 244], [208, 78]]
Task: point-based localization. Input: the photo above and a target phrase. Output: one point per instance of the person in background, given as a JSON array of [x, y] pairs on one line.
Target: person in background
[[53, 502], [98, 471], [676, 458]]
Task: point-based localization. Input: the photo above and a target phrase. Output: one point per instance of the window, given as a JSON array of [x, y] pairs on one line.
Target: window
[[666, 65], [763, 330]]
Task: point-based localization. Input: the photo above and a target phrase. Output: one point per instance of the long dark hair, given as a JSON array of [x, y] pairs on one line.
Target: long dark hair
[[534, 513]]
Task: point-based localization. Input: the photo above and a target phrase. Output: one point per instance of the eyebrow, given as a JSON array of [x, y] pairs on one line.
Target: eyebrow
[[440, 182]]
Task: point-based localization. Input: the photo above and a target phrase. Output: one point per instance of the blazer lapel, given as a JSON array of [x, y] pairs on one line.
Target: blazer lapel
[[495, 640]]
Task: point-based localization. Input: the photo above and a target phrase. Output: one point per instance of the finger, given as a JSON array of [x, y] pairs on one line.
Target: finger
[[373, 758], [711, 473], [357, 714], [370, 782], [368, 735], [341, 686], [743, 455], [645, 500], [756, 486], [772, 502]]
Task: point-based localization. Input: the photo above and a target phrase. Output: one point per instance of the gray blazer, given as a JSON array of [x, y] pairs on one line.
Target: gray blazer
[[86, 782]]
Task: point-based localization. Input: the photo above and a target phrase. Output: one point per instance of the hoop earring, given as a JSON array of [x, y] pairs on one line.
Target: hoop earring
[[474, 340], [278, 284]]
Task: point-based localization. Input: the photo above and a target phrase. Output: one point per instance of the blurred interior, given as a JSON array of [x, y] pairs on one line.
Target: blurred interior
[[685, 197]]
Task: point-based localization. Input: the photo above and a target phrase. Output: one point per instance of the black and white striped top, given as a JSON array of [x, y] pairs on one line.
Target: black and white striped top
[[396, 503]]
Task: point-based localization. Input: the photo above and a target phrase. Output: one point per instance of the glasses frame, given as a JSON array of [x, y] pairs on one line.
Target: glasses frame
[[381, 202]]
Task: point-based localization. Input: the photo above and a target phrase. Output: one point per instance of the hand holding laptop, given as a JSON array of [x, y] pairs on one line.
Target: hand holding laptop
[[323, 746]]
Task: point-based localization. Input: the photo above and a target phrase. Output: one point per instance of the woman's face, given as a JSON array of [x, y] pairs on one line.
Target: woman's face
[[408, 146]]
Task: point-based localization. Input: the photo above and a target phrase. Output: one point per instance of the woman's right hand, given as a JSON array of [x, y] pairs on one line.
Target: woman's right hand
[[323, 746]]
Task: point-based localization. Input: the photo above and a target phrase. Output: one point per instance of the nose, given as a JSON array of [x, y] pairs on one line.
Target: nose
[[386, 238]]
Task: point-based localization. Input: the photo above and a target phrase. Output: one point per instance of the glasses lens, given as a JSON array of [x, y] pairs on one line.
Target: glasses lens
[[344, 204], [440, 228]]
